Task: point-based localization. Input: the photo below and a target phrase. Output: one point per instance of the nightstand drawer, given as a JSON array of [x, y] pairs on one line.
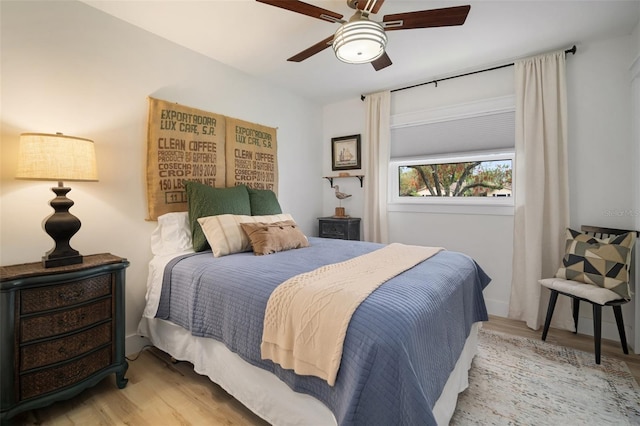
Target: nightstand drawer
[[50, 379], [50, 352], [333, 230], [41, 326], [59, 296], [345, 228]]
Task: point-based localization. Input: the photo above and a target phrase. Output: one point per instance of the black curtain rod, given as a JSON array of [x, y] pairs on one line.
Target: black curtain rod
[[573, 50]]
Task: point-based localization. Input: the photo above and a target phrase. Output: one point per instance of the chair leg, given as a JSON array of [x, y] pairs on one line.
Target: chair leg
[[576, 312], [617, 311], [552, 305], [597, 329]]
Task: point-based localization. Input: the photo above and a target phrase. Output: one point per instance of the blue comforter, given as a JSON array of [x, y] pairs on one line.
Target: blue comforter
[[401, 345]]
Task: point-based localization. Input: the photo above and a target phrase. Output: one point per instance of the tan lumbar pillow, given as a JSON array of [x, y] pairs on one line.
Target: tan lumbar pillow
[[267, 238]]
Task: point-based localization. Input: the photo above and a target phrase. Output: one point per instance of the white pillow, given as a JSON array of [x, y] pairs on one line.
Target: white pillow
[[172, 235], [225, 235]]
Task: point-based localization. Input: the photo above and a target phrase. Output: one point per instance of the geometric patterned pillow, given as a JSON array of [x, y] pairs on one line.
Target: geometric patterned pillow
[[601, 262]]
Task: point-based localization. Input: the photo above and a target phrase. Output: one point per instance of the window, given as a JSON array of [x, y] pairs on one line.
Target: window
[[465, 179], [485, 178]]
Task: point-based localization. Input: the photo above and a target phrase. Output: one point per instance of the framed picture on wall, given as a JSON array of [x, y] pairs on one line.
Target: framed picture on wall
[[345, 153]]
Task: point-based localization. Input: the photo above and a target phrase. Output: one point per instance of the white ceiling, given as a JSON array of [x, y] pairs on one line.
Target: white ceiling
[[257, 38]]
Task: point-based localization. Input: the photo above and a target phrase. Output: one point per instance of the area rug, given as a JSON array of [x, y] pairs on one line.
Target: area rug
[[520, 381]]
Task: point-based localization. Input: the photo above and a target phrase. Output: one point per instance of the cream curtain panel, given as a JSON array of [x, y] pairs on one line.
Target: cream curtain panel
[[375, 166], [542, 187]]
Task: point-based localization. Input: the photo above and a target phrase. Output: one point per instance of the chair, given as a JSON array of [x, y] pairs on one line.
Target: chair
[[596, 296]]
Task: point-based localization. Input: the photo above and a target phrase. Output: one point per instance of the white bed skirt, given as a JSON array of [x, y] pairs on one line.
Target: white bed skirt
[[265, 394]]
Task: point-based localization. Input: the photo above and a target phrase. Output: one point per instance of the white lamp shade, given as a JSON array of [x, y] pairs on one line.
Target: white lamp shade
[[56, 157], [359, 42]]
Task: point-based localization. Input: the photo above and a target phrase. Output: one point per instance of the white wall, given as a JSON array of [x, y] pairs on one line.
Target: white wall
[[599, 101], [602, 169], [67, 67]]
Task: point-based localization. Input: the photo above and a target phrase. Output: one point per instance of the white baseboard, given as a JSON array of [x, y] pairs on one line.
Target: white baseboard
[[497, 307], [134, 344], [609, 331]]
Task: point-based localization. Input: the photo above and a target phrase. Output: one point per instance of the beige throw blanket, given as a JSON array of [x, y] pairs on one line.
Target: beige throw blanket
[[307, 316]]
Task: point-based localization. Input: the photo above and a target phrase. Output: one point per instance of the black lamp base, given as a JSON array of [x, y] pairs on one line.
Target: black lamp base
[[61, 226], [61, 261]]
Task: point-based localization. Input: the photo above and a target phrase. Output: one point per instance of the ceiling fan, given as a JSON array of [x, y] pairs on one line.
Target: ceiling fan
[[361, 40]]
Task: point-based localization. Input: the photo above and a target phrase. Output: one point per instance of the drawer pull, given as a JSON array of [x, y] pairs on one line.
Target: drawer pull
[[70, 296]]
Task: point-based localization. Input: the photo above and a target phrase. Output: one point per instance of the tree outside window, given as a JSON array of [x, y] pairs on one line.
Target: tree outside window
[[463, 179]]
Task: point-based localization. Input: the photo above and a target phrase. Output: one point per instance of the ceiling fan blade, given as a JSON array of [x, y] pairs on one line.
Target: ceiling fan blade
[[305, 9], [382, 62], [445, 17], [362, 4], [316, 48]]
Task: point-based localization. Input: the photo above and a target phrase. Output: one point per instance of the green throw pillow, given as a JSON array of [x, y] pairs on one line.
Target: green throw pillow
[[204, 200], [600, 262], [263, 202]]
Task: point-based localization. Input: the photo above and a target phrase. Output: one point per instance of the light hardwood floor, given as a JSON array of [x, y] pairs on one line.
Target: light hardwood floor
[[162, 393]]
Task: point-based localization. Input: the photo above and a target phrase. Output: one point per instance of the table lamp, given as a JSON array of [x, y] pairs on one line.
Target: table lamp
[[59, 158]]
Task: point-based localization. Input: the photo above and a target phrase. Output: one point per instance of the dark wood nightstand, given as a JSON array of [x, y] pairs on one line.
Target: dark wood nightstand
[[344, 228], [61, 330]]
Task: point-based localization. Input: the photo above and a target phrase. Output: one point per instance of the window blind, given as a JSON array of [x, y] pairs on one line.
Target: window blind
[[465, 134]]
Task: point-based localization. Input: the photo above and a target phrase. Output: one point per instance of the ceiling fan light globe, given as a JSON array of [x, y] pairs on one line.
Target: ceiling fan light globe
[[359, 42]]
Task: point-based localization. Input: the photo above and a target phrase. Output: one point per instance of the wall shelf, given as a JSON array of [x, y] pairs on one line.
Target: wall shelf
[[331, 178]]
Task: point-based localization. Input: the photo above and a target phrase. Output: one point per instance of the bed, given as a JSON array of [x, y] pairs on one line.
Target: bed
[[406, 353]]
